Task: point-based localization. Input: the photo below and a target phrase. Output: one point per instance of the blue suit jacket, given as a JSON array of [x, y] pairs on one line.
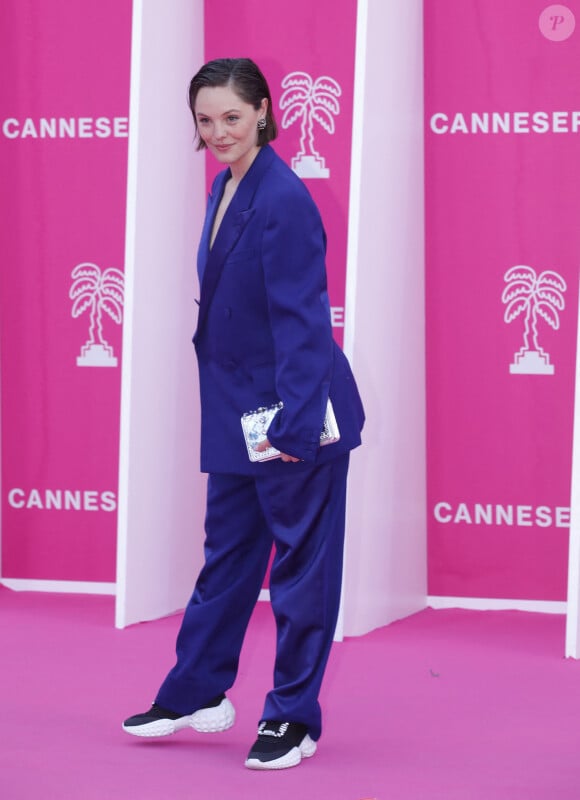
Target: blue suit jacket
[[264, 332]]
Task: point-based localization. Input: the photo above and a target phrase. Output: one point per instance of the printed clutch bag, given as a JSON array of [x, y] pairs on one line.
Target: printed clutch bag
[[255, 426]]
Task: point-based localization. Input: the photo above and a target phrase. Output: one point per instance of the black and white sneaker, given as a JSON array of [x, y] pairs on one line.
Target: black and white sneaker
[[218, 715], [280, 745]]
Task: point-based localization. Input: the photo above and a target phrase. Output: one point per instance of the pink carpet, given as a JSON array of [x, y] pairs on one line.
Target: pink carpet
[[445, 705]]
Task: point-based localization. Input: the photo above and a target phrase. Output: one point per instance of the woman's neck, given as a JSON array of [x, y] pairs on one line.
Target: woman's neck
[[240, 168]]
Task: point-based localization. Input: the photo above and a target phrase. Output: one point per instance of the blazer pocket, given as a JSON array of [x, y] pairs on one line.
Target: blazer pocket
[[264, 380]]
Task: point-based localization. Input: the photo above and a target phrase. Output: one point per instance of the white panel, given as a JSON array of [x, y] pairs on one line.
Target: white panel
[[161, 492], [68, 587], [573, 616], [385, 569], [498, 604]]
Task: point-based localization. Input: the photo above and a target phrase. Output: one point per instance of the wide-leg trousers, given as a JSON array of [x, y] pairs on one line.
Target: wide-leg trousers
[[302, 511]]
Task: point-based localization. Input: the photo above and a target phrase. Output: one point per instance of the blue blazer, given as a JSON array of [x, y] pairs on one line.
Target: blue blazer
[[264, 332]]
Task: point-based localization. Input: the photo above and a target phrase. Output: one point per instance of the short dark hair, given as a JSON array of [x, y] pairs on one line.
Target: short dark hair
[[247, 81]]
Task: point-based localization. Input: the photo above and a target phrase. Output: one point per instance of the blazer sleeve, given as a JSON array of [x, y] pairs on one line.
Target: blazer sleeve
[[293, 261]]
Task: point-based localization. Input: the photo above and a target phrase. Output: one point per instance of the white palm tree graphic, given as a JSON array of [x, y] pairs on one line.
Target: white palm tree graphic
[[311, 101], [98, 292], [536, 296]]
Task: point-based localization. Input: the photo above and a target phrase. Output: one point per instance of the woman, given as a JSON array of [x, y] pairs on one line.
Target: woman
[[263, 336]]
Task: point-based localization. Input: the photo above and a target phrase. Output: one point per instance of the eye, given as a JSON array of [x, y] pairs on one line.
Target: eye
[[233, 118], [202, 121]]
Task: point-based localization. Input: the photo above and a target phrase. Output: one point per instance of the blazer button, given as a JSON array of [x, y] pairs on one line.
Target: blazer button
[[227, 313]]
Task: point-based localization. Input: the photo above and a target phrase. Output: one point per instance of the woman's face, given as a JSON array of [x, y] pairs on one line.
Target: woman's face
[[228, 126]]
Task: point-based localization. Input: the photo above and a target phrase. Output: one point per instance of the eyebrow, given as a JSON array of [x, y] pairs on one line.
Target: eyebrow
[[229, 111]]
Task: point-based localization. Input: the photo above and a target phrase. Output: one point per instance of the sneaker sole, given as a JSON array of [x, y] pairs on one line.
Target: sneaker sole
[[206, 720], [292, 758], [214, 720]]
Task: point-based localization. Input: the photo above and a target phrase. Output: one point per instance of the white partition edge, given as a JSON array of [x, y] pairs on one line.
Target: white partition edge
[[497, 604], [358, 111], [160, 512], [354, 221], [385, 575], [64, 587], [572, 648], [127, 350]]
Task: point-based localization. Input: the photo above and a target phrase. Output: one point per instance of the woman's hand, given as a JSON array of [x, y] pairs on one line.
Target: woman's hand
[[259, 448]]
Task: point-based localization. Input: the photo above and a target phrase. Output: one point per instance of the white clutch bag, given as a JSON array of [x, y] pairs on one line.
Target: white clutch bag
[[255, 426]]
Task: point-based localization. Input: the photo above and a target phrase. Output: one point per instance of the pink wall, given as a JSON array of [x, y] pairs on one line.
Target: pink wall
[[161, 491], [385, 567], [502, 191], [502, 125], [63, 157], [285, 38]]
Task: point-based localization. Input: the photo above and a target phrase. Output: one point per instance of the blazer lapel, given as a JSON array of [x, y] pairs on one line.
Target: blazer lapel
[[213, 201], [237, 216]]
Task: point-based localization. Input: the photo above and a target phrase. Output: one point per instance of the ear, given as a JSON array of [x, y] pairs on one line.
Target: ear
[[264, 105]]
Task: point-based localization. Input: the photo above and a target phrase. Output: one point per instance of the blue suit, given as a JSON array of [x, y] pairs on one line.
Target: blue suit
[[263, 335]]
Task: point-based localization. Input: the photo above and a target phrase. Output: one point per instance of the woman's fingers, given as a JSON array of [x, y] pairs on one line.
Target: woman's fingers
[[265, 444]]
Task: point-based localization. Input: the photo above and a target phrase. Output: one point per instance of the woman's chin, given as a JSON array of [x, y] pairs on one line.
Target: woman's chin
[[224, 154]]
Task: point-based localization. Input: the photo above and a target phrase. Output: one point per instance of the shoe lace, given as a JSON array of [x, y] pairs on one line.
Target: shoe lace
[[277, 729]]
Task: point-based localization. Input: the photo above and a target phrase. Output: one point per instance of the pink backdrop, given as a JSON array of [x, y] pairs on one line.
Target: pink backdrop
[[309, 66], [63, 156], [503, 241], [502, 118], [312, 39]]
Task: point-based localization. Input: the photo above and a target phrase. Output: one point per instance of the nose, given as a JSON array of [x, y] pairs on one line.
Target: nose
[[219, 130]]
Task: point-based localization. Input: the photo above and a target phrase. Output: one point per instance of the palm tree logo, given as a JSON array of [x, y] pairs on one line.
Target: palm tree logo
[[310, 101], [535, 296], [97, 292]]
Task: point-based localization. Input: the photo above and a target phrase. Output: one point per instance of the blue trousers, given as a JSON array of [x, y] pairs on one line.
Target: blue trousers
[[302, 511]]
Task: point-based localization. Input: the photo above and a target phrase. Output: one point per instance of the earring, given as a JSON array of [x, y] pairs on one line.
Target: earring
[[262, 123]]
